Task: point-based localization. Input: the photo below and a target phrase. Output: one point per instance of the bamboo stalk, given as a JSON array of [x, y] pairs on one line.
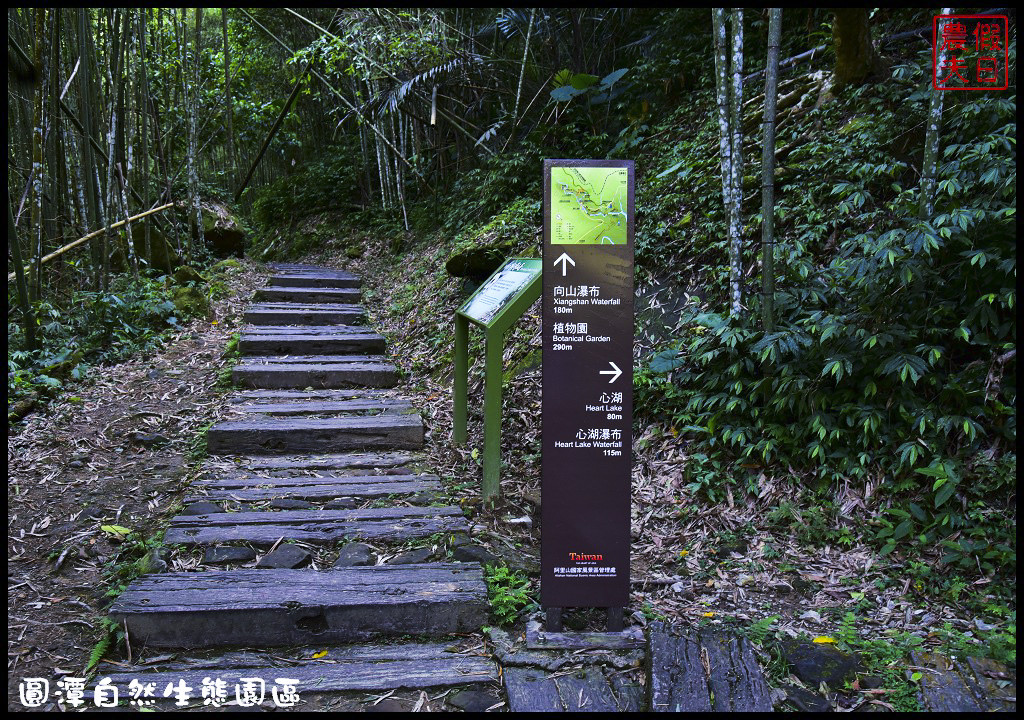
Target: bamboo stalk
[[90, 236]]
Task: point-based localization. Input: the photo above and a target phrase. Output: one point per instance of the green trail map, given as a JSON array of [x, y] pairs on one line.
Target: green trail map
[[588, 205]]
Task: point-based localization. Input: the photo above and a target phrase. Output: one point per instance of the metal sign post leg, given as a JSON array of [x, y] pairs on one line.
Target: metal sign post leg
[[461, 380], [492, 417]]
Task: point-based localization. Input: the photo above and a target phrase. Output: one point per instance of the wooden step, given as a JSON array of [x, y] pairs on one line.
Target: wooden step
[[316, 371], [289, 607], [259, 489], [320, 402], [350, 667], [318, 527], [309, 340], [305, 465], [276, 293], [704, 671], [275, 436], [322, 279], [276, 313], [531, 689]]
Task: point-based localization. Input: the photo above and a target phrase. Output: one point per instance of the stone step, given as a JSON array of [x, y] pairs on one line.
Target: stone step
[[335, 669], [277, 293], [277, 313], [318, 527], [309, 340], [359, 488], [367, 463], [275, 436], [315, 371], [255, 607]]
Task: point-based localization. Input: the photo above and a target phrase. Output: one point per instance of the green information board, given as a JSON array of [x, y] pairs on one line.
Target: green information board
[[495, 306], [493, 300]]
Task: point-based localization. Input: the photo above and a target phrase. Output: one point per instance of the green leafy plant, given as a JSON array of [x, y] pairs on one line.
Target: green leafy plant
[[509, 592]]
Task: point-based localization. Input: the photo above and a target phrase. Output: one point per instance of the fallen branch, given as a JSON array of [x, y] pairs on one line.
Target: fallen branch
[[90, 236]]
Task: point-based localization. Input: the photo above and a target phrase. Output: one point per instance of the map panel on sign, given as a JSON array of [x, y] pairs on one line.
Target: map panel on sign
[[589, 205]]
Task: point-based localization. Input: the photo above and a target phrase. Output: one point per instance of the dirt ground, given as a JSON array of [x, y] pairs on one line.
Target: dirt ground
[[114, 450]]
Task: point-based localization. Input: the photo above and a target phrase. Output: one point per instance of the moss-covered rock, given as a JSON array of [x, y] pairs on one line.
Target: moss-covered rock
[[227, 265], [477, 261], [162, 255], [223, 231], [190, 302], [187, 274]]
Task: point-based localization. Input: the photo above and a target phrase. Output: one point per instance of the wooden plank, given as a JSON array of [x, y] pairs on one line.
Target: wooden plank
[[301, 343], [275, 436], [316, 491], [737, 682], [226, 482], [288, 607], [996, 684], [268, 395], [327, 407], [277, 293], [327, 677], [299, 463], [943, 686], [293, 278], [531, 690], [678, 680], [303, 314], [589, 693], [313, 359], [539, 639], [317, 374], [309, 330], [703, 672], [311, 269], [320, 527]]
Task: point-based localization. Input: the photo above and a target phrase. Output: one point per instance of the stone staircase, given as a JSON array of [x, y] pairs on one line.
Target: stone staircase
[[318, 452]]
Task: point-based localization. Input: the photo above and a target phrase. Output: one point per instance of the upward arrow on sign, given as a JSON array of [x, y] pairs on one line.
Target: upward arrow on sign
[[566, 262]]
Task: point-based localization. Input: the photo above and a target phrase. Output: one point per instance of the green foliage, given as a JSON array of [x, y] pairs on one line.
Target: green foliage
[[92, 328], [892, 356], [326, 184], [509, 592], [112, 635]]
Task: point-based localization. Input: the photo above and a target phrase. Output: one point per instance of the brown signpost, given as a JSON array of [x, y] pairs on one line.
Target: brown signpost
[[588, 386]]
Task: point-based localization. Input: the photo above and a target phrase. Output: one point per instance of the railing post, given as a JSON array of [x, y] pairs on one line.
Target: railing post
[[492, 415], [461, 382]]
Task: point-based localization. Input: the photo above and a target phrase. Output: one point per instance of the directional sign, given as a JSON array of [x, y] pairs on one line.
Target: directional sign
[[565, 260], [588, 370]]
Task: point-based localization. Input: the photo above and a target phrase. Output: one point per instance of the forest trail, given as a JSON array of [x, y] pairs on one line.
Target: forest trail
[[320, 450]]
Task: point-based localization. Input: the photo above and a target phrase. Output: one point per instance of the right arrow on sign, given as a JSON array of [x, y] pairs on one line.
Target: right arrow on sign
[[614, 373], [566, 262]]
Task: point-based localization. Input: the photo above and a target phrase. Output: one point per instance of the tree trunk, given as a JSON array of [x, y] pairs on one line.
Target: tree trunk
[[768, 172], [27, 316], [36, 203], [724, 136], [736, 121], [855, 55], [929, 168], [228, 108]]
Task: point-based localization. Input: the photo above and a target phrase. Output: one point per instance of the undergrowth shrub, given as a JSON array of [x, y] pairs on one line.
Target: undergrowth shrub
[[894, 354], [99, 327]]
